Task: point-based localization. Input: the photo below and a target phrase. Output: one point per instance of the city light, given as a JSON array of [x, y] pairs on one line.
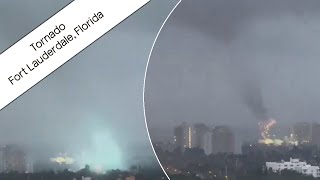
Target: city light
[[62, 160]]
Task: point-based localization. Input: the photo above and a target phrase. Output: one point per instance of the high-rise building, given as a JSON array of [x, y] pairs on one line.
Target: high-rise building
[[220, 139], [13, 159], [199, 132], [223, 140], [202, 137], [193, 136], [206, 143], [183, 135]]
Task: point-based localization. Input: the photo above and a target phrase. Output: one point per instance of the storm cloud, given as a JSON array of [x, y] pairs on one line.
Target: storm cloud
[[232, 62]]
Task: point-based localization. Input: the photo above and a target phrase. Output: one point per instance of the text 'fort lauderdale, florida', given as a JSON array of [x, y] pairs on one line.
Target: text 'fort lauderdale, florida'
[[57, 45]]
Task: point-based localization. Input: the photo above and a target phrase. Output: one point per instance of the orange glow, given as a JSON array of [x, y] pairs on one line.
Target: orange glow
[[265, 127]]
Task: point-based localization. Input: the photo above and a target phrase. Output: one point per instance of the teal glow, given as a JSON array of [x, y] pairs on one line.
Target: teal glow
[[103, 152]]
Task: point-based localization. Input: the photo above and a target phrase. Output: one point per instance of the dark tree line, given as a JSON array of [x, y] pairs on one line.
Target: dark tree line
[[149, 173], [250, 166]]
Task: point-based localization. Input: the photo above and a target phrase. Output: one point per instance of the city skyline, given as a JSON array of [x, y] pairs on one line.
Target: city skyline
[[291, 134]]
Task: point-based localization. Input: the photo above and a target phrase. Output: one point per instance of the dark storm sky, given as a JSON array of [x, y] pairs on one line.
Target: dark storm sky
[[100, 90], [213, 52]]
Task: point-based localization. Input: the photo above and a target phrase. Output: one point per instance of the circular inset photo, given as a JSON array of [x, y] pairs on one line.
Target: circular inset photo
[[232, 90]]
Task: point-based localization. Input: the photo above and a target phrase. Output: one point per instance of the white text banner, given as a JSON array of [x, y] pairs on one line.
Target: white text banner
[[57, 40]]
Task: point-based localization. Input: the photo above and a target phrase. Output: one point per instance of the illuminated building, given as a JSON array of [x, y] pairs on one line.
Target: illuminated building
[[13, 159], [195, 136], [183, 135], [223, 140], [219, 139]]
